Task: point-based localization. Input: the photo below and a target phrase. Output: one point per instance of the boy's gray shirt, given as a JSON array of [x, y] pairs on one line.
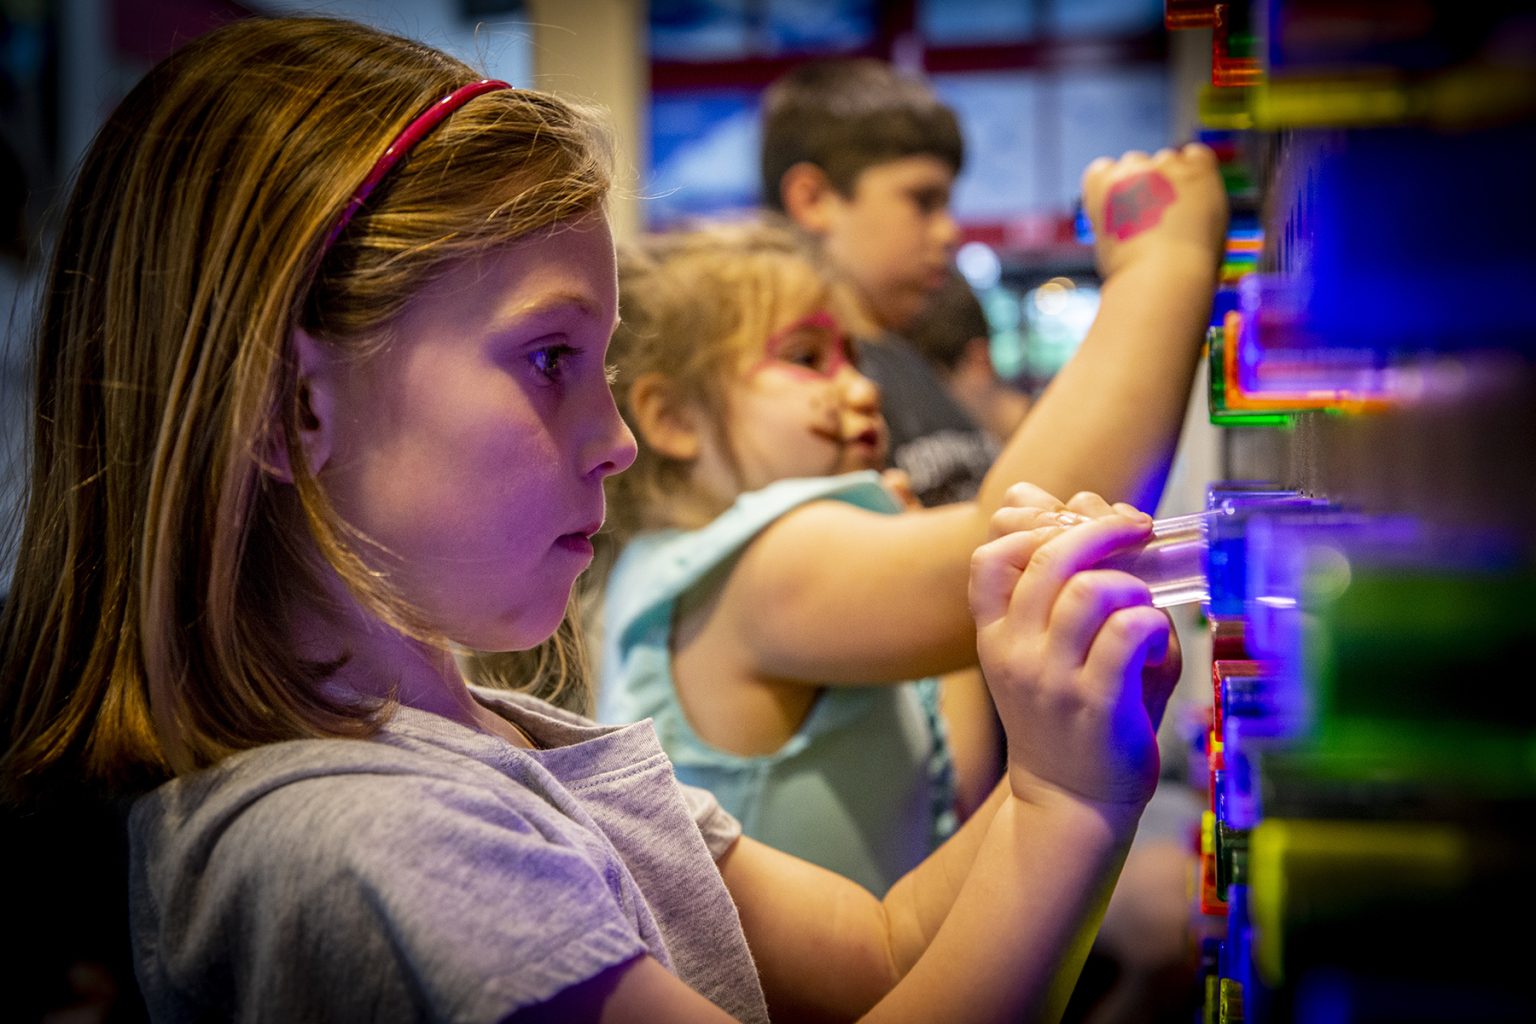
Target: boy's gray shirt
[[430, 872], [944, 453]]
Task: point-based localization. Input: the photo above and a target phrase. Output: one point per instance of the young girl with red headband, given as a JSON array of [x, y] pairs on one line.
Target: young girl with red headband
[[323, 410]]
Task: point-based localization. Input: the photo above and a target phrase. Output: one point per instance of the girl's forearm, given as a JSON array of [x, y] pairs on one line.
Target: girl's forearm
[[1020, 919], [1109, 419], [917, 905]]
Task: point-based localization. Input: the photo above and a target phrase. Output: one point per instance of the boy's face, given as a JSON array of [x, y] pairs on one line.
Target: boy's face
[[894, 236]]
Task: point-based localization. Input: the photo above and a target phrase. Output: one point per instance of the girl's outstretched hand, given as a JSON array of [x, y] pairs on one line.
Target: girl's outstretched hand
[[899, 483], [1075, 656], [1170, 206]]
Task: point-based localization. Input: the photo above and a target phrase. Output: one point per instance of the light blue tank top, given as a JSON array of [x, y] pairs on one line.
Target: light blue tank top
[[865, 787]]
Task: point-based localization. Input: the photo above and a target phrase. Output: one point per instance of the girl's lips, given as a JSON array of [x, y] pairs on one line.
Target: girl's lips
[[867, 439], [865, 450], [579, 541], [576, 543], [867, 446]]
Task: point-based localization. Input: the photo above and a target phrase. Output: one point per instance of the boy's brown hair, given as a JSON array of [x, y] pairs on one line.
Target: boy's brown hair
[[846, 115]]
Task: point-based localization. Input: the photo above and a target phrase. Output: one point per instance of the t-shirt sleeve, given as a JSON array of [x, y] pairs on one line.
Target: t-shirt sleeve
[[944, 453], [718, 826], [382, 897]]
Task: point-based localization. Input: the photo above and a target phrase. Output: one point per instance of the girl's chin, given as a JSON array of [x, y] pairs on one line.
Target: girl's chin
[[523, 635], [872, 459]]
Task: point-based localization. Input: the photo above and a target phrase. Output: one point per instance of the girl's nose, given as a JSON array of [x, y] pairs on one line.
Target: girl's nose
[[859, 392], [612, 448]]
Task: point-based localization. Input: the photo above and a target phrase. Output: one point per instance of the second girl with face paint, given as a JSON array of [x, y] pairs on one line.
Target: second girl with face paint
[[775, 610]]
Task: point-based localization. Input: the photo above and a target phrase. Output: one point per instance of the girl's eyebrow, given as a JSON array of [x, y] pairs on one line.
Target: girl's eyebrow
[[819, 318], [550, 307]]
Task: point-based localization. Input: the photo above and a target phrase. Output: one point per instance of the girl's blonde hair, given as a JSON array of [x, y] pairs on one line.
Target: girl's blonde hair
[[145, 630], [693, 304]]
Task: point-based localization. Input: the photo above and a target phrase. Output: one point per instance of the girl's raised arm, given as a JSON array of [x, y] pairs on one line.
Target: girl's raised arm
[[832, 593]]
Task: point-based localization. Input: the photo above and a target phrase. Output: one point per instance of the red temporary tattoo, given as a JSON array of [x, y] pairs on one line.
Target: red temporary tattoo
[[1136, 204]]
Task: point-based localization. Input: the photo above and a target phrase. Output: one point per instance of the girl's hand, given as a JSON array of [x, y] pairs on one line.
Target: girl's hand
[[899, 483], [1170, 206], [1076, 657]]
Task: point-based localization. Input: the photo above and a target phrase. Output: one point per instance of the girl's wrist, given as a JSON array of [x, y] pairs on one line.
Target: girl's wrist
[[1110, 821], [1170, 260]]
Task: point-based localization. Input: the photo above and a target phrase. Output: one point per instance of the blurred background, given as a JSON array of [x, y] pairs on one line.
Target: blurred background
[[1041, 88]]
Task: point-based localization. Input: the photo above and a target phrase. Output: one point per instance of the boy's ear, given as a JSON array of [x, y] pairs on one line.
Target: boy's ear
[[664, 422], [317, 401], [808, 197]]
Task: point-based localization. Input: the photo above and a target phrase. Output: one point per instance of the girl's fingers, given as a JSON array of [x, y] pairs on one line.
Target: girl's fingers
[[1089, 504], [1198, 153], [1033, 534], [1127, 641], [1027, 495], [1062, 556], [996, 568], [1087, 600], [899, 483], [1160, 674], [1128, 510], [1092, 183], [1013, 518]]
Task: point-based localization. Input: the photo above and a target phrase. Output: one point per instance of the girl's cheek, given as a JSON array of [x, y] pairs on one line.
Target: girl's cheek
[[785, 386]]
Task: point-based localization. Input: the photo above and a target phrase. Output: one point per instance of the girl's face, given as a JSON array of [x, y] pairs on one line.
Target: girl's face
[[800, 407], [473, 448]]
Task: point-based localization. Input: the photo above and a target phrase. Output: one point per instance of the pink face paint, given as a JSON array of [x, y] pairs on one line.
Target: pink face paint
[[1136, 204], [836, 348]]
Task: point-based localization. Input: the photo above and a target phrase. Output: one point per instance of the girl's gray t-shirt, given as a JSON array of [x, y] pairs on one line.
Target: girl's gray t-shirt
[[430, 872]]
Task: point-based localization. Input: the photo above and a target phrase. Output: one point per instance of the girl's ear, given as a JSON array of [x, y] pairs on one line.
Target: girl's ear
[[665, 423], [808, 197], [317, 400]]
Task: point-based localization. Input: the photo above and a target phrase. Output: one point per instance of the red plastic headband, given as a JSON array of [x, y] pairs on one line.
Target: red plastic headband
[[424, 123]]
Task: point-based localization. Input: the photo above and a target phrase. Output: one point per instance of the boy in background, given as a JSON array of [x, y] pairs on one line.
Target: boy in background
[[864, 160]]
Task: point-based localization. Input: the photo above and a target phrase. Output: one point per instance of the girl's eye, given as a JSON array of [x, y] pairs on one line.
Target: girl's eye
[[821, 355], [811, 344], [806, 349], [549, 361], [809, 358]]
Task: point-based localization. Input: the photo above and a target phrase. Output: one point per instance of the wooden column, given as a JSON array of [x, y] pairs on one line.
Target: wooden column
[[595, 50]]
